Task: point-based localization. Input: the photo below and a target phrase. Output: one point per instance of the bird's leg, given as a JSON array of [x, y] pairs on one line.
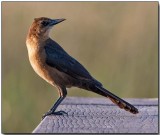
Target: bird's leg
[[62, 95]]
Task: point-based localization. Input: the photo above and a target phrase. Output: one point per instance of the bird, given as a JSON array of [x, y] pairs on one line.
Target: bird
[[52, 63]]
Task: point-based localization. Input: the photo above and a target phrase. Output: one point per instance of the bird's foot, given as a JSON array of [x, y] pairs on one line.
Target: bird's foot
[[53, 113]]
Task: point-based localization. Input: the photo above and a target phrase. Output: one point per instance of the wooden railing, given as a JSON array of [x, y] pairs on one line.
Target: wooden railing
[[100, 115]]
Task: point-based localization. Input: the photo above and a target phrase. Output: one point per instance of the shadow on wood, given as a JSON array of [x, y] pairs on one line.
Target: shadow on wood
[[99, 115]]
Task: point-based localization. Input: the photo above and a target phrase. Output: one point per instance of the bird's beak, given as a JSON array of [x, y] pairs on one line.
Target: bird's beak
[[56, 21]]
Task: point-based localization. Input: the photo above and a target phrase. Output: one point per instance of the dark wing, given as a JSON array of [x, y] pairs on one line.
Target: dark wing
[[59, 59]]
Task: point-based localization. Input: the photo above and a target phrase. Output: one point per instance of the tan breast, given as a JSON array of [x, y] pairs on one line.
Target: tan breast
[[37, 58]]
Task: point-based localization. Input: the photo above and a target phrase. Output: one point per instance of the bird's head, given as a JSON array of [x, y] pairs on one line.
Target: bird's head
[[42, 26]]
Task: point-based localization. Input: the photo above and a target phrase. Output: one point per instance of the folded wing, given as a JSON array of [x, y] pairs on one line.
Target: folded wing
[[59, 59]]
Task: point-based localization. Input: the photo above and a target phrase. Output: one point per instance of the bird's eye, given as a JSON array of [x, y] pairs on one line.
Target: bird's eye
[[44, 23]]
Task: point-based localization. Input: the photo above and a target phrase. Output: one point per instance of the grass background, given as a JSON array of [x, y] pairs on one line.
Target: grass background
[[116, 41]]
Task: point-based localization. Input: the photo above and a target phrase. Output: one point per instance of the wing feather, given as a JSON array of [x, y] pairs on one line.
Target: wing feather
[[59, 59]]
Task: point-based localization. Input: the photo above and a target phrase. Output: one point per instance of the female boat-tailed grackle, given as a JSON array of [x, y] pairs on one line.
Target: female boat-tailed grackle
[[50, 61]]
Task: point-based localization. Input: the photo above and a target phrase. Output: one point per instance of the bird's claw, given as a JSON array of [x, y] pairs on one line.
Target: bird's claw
[[60, 113], [53, 113]]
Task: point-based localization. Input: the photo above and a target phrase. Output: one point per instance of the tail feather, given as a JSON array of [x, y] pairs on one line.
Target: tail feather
[[118, 101]]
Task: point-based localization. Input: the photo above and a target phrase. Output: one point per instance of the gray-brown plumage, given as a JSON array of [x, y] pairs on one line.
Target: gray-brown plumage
[[50, 61]]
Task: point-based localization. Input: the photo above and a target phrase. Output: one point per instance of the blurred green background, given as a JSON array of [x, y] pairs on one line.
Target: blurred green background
[[116, 41]]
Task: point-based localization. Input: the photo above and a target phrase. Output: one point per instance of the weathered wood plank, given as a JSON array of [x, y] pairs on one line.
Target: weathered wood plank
[[98, 115]]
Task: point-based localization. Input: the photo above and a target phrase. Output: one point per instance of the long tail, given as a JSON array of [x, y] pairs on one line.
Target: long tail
[[118, 101]]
